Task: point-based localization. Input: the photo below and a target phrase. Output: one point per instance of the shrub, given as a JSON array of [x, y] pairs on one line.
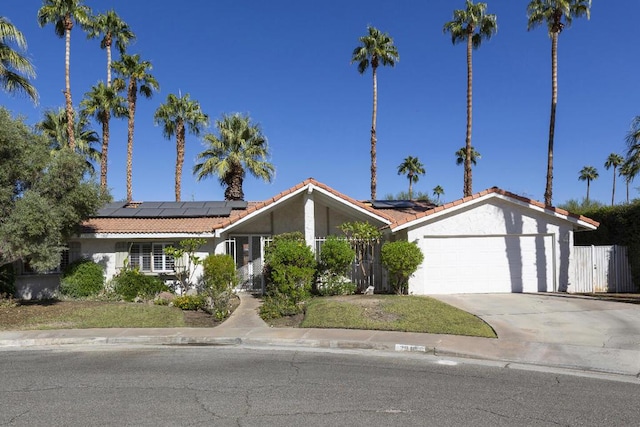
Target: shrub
[[219, 278], [189, 302], [329, 284], [401, 259], [7, 280], [82, 278], [289, 272], [130, 284], [336, 255]]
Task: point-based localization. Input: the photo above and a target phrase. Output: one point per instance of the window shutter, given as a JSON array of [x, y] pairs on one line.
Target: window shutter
[[122, 253]]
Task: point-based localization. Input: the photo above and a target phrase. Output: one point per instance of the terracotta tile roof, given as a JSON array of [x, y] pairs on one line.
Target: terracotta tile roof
[[396, 217], [413, 216]]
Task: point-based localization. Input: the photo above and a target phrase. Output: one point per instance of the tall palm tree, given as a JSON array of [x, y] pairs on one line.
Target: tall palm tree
[[100, 103], [62, 14], [175, 116], [614, 160], [411, 167], [54, 127], [588, 173], [240, 147], [557, 14], [110, 26], [461, 156], [632, 162], [134, 75], [376, 49], [470, 25], [438, 191], [627, 171], [15, 68]]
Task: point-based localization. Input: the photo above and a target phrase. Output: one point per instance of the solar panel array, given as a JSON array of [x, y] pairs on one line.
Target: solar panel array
[[170, 209], [392, 204]]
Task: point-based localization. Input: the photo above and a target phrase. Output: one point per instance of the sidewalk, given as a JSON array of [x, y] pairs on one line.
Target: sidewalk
[[246, 327]]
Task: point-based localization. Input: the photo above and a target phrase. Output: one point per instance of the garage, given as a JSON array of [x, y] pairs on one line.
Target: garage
[[493, 242], [486, 264]]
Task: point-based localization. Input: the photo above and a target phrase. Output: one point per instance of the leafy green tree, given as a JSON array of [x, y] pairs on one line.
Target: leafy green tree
[[376, 49], [614, 160], [54, 127], [401, 259], [239, 147], [557, 14], [63, 14], [134, 75], [101, 102], [588, 173], [404, 195], [412, 168], [470, 25], [438, 191], [461, 156], [15, 67], [177, 115], [111, 27], [185, 261], [43, 196]]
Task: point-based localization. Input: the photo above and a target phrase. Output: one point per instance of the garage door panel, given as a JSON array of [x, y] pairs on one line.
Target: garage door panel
[[485, 264]]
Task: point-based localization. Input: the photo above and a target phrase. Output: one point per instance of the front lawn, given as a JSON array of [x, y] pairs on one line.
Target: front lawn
[[393, 313]]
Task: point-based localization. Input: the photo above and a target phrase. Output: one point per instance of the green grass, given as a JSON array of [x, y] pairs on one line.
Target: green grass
[[394, 313]]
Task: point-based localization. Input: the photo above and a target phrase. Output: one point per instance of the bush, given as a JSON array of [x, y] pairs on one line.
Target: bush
[[131, 284], [7, 280], [329, 284], [219, 279], [401, 259], [289, 271], [336, 255], [189, 302], [82, 278]]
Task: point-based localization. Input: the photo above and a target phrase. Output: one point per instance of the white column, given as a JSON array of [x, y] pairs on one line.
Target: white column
[[309, 219]]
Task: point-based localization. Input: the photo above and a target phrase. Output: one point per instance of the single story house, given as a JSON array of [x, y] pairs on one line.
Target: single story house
[[492, 241]]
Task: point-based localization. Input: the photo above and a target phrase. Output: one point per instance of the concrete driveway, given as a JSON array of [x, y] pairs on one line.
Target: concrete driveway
[[555, 318]]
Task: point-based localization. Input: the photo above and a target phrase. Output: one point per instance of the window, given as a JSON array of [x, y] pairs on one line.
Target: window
[[150, 257]]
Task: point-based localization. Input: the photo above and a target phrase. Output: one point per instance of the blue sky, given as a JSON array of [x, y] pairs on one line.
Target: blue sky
[[287, 64]]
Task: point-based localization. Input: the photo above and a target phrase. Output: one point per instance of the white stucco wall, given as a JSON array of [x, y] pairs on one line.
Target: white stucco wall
[[499, 217]]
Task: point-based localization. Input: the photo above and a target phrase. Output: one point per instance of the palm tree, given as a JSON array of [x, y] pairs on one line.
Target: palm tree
[[588, 173], [411, 167], [438, 191], [632, 163], [54, 127], [100, 103], [471, 25], [175, 116], [111, 27], [240, 147], [461, 156], [376, 49], [614, 160], [627, 171], [557, 14], [15, 68], [131, 68], [62, 14]]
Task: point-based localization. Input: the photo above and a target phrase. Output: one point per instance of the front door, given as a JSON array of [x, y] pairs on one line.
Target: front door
[[247, 252]]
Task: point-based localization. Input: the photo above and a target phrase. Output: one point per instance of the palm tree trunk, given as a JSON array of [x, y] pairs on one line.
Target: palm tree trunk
[[627, 191], [67, 82], [105, 148], [588, 185], [179, 156], [132, 111], [410, 187], [374, 178], [613, 191], [108, 64], [468, 187], [552, 122]]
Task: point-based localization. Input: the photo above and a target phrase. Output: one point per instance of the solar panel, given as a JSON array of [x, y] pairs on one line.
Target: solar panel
[[392, 204], [170, 209]]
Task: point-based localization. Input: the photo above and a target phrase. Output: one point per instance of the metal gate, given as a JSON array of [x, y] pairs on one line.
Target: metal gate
[[602, 269]]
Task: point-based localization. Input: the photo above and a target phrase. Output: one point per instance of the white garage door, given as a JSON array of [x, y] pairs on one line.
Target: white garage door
[[486, 264]]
